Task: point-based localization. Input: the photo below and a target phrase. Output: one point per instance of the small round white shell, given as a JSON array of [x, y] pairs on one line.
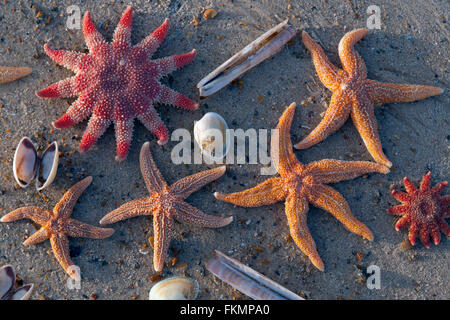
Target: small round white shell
[[174, 288], [212, 135]]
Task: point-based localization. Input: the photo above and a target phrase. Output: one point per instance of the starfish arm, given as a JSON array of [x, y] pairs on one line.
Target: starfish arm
[[327, 72], [401, 196], [8, 74], [39, 236], [188, 185], [65, 88], [92, 37], [69, 59], [38, 215], [281, 151], [409, 186], [60, 246], [186, 213], [95, 129], [296, 208], [424, 235], [163, 228], [152, 176], [437, 189], [444, 227], [124, 133], [153, 41], [351, 61], [327, 198], [80, 229], [268, 192], [363, 117], [78, 111], [435, 233], [65, 206], [444, 201], [129, 210], [413, 230], [399, 210], [335, 116], [151, 120], [381, 92], [122, 34], [425, 184], [174, 98], [168, 65], [331, 171]]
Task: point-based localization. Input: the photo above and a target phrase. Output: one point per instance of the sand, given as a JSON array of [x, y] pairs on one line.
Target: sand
[[412, 47]]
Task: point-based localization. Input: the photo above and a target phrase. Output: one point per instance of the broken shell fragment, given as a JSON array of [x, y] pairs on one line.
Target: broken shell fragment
[[174, 288], [246, 280], [7, 281], [212, 136], [27, 165], [253, 54]]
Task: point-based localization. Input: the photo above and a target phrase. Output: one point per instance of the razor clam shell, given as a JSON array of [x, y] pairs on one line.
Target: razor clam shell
[[246, 280], [46, 172], [25, 162], [174, 288], [22, 293], [7, 280], [250, 56]]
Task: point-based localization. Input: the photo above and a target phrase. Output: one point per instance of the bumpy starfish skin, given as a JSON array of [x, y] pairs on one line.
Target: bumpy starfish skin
[[354, 95], [58, 226], [117, 82], [8, 74], [423, 210], [166, 203], [299, 185]]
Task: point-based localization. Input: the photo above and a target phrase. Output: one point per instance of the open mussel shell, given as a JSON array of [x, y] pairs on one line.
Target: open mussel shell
[[48, 166], [27, 165], [25, 162], [7, 280], [174, 288], [246, 280], [212, 136], [250, 56]]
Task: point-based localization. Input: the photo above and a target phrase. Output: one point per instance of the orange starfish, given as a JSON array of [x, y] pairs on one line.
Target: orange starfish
[[8, 74], [423, 210], [354, 95], [300, 184], [166, 203], [58, 226]]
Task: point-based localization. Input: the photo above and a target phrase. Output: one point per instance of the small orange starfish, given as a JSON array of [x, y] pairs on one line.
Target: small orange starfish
[[58, 226], [354, 95], [423, 210], [166, 203], [299, 184]]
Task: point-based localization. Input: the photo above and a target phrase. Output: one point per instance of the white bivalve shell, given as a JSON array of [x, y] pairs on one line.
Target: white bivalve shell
[[174, 288], [27, 165], [7, 281], [212, 135]]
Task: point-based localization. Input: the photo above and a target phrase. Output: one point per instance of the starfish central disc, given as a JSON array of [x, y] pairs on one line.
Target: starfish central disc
[[117, 82]]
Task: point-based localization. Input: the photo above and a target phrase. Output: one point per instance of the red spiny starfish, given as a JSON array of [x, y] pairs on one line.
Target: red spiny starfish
[[298, 185], [57, 225], [117, 82], [423, 210], [166, 204], [354, 95]]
